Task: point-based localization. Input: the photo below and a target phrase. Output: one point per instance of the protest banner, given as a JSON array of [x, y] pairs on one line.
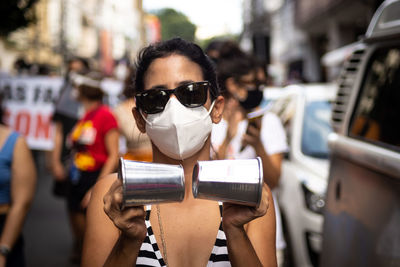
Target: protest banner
[[29, 104]]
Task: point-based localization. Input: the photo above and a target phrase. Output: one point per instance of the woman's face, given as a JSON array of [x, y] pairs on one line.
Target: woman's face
[[171, 71], [240, 87]]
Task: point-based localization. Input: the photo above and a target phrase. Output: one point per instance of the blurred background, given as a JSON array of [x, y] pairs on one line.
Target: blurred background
[[300, 42], [292, 36]]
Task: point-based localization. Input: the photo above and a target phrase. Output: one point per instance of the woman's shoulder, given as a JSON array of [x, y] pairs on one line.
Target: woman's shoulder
[[8, 135], [107, 117], [105, 109], [4, 131], [106, 181]]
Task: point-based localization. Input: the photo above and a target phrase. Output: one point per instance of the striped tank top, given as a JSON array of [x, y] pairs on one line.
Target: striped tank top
[[150, 254]]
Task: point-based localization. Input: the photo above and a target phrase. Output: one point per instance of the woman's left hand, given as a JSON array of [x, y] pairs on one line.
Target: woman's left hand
[[253, 134], [237, 216]]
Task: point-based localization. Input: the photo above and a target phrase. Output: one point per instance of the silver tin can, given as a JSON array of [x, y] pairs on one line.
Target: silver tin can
[[235, 181], [149, 183]]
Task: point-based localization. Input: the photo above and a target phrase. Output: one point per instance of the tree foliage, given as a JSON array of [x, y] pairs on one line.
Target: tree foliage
[[15, 14], [176, 24]]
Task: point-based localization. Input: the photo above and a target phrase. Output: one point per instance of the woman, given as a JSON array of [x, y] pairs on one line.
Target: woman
[[17, 189], [94, 142], [236, 137], [65, 117], [189, 233]]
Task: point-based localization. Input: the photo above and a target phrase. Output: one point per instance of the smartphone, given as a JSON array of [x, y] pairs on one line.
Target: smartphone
[[252, 122], [252, 119]]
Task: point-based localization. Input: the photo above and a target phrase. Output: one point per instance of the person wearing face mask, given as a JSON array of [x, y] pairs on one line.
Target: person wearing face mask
[[94, 146], [65, 116], [177, 102], [237, 137]]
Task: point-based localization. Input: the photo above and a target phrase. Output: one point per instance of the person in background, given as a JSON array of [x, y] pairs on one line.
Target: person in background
[[94, 142], [65, 116], [134, 145], [236, 137], [17, 189], [212, 49], [194, 232]]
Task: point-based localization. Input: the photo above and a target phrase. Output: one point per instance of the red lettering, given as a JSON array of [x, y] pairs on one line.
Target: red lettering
[[23, 122], [42, 126]]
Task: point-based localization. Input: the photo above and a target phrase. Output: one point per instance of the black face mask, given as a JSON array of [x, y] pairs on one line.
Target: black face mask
[[254, 98]]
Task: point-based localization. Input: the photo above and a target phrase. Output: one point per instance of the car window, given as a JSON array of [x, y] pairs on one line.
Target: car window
[[316, 128], [377, 112]]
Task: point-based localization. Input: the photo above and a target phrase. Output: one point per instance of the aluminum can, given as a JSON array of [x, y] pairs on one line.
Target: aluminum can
[[235, 181], [150, 183]]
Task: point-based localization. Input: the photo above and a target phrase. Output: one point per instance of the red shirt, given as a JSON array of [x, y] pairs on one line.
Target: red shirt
[[88, 138]]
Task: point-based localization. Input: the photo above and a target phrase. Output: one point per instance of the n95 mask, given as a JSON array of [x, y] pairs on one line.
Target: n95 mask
[[179, 132]]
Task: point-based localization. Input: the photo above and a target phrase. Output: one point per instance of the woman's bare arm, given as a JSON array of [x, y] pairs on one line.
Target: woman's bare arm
[[251, 244], [262, 234], [100, 234], [112, 146], [57, 167], [23, 185], [113, 236]]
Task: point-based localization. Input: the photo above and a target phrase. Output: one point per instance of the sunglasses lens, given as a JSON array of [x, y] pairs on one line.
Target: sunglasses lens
[[153, 101], [192, 95]]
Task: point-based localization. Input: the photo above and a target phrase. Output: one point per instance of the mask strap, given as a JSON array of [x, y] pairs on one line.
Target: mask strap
[[144, 118], [211, 108]]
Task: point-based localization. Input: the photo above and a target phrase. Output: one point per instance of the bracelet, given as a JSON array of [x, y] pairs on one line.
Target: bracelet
[[5, 250]]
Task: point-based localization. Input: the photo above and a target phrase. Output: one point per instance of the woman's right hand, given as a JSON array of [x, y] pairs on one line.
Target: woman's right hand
[[130, 220], [58, 171], [236, 216]]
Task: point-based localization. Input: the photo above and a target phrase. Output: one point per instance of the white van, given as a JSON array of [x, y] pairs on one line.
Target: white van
[[304, 110]]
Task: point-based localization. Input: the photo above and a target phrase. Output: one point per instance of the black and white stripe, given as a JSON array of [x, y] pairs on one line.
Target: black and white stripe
[[150, 254]]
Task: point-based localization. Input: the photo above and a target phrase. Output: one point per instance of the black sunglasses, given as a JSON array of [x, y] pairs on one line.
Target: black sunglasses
[[191, 95]]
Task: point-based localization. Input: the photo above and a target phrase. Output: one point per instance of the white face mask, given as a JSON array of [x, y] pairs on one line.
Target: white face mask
[[179, 132]]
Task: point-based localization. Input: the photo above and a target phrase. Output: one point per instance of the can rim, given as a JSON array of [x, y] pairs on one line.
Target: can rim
[[182, 181], [122, 175], [195, 179], [261, 182]]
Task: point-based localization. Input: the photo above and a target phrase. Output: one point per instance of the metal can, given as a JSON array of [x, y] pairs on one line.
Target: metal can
[[235, 181], [150, 183]]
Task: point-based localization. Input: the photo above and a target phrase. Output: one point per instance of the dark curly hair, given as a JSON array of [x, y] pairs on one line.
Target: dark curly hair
[[180, 47], [232, 63]]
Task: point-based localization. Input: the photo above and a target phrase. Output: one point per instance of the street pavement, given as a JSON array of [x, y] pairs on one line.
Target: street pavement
[[47, 234]]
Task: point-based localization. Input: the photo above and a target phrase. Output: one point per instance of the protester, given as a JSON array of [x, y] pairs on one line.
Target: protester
[[134, 145], [177, 234], [17, 188], [94, 142], [65, 116], [212, 49], [237, 137]]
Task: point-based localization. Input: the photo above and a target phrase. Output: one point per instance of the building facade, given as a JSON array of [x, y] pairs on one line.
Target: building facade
[[104, 31], [301, 32]]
